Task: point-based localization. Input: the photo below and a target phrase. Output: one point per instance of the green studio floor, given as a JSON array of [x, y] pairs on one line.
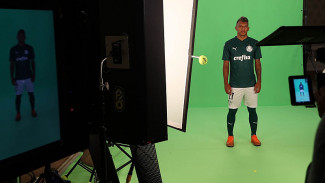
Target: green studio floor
[[28, 133], [200, 155]]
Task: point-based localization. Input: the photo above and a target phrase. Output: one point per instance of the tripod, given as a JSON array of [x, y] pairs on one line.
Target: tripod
[[50, 176], [144, 158], [98, 147]]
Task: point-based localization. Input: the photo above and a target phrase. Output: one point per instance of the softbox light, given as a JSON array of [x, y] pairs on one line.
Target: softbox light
[[179, 28]]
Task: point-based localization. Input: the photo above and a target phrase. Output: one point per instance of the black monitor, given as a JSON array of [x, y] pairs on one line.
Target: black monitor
[[61, 125], [29, 80], [43, 126], [301, 91]]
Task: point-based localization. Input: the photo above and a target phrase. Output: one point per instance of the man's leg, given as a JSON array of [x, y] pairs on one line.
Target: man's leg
[[30, 89], [18, 102], [32, 100], [252, 119], [251, 103], [231, 117], [19, 92], [234, 102]]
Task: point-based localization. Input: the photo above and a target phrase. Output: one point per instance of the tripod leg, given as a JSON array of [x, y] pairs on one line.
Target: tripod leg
[[92, 174], [129, 177], [46, 176], [102, 159], [74, 166], [146, 163]]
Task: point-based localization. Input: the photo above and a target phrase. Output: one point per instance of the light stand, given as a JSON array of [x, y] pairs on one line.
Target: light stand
[[98, 148], [102, 158]]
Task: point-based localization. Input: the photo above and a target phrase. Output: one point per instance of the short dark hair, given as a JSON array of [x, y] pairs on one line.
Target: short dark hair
[[242, 19], [21, 31]]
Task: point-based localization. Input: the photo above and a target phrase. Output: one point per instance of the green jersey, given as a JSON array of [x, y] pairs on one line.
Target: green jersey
[[21, 56], [241, 55]]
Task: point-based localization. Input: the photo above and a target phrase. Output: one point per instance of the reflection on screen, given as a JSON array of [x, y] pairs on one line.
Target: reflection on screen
[[301, 90], [29, 95]]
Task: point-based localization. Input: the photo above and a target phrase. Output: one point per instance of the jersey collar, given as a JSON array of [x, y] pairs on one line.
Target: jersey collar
[[242, 40]]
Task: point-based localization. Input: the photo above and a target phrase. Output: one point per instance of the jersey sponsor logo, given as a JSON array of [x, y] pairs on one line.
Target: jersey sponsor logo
[[243, 57], [20, 59], [249, 48]]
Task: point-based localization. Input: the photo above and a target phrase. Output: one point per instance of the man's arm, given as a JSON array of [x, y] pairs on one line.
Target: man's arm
[[225, 76], [258, 70], [33, 69], [12, 69]]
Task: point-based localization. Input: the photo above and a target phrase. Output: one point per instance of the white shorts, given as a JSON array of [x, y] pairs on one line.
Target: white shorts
[[21, 84], [249, 95]]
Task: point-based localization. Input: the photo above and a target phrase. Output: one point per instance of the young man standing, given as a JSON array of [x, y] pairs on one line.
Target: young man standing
[[240, 53], [22, 64], [301, 88]]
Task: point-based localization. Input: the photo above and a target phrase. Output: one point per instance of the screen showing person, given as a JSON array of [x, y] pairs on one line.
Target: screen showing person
[[301, 90], [29, 95]]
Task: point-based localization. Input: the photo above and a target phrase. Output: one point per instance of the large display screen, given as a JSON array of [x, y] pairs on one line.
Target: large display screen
[[29, 102]]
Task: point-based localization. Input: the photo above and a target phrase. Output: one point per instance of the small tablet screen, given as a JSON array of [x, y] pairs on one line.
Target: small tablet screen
[[301, 90]]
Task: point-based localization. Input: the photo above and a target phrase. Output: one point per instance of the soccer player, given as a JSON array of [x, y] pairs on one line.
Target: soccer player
[[240, 53], [22, 71], [301, 88]]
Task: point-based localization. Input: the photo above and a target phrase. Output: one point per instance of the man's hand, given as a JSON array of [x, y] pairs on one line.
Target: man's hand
[[257, 87], [228, 88], [13, 81]]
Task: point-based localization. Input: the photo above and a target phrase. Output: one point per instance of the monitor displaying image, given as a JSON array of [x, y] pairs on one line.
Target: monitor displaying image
[[29, 94], [301, 90]]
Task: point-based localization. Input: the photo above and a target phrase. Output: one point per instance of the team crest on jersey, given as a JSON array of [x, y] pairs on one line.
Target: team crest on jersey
[[26, 52], [249, 48]]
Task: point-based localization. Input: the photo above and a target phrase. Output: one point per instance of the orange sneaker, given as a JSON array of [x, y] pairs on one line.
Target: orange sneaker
[[255, 140], [18, 117], [230, 141]]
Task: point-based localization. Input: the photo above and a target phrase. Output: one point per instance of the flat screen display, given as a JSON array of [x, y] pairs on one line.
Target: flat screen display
[[29, 102], [301, 90]]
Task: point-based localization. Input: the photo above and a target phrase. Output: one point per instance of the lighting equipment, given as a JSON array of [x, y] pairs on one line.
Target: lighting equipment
[[293, 35], [179, 24]]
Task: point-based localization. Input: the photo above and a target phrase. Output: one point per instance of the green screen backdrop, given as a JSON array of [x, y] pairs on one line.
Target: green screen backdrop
[[216, 22]]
